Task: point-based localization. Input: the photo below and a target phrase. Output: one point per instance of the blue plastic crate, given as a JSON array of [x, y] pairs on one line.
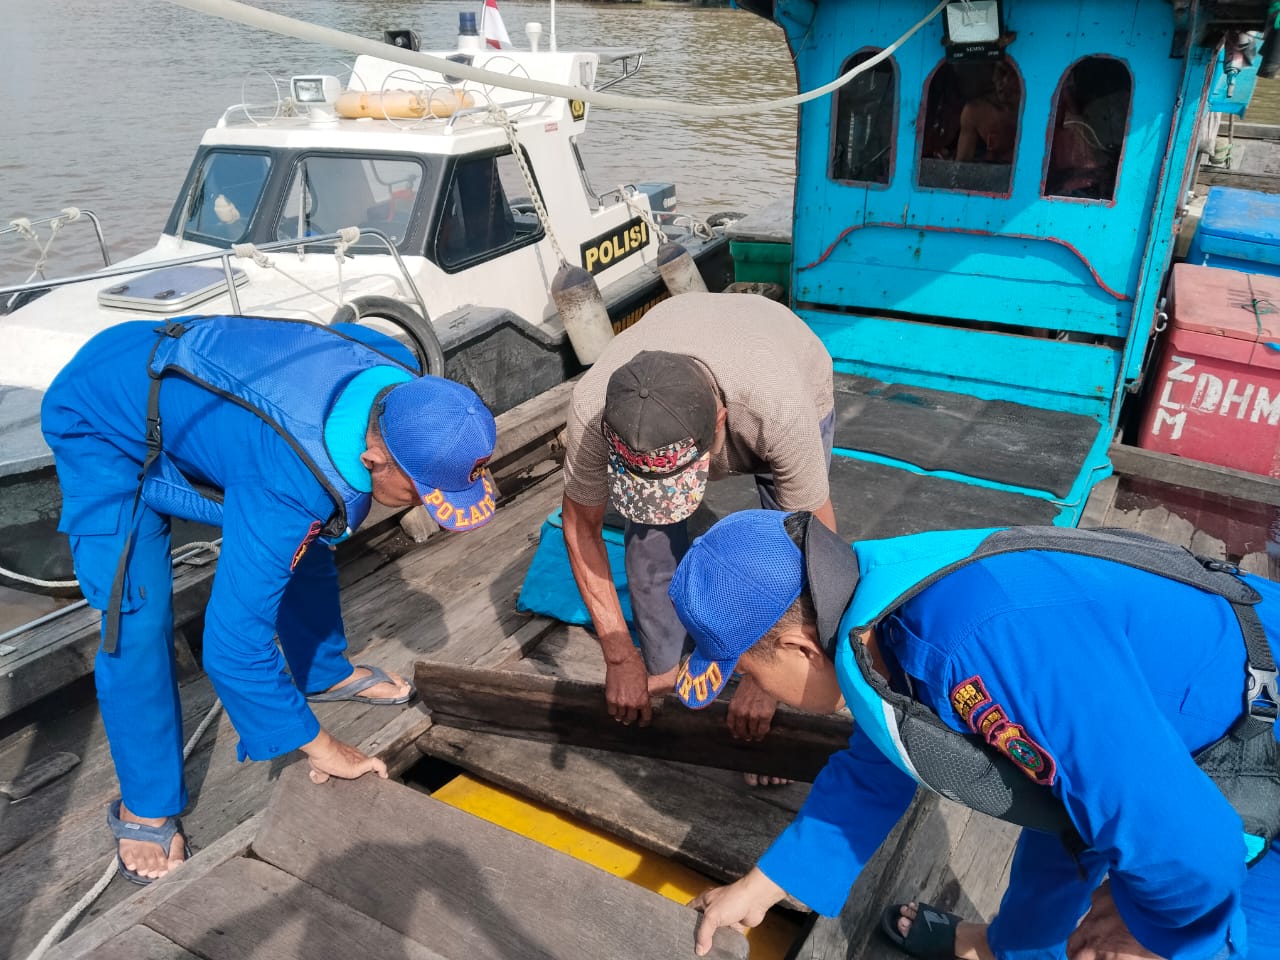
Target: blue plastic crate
[[1239, 230]]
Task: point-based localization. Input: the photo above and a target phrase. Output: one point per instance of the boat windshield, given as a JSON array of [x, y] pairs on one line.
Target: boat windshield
[[221, 205], [327, 193]]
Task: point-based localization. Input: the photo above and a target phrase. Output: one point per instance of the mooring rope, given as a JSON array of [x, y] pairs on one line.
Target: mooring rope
[[67, 919], [289, 27]]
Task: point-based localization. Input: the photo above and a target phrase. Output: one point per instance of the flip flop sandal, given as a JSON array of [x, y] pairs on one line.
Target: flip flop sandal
[[932, 935], [162, 835], [352, 690]]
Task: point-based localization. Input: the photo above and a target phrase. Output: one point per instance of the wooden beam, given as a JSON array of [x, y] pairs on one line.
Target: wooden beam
[[1219, 177], [572, 712], [1194, 474], [1256, 131], [464, 886]]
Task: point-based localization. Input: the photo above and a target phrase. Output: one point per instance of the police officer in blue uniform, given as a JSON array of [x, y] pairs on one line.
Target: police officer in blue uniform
[[1114, 695], [283, 433]]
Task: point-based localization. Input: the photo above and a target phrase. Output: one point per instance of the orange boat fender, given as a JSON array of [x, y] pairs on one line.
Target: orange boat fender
[[403, 104]]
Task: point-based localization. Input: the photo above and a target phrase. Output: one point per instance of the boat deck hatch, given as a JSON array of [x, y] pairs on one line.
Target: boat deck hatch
[[936, 430], [169, 289]]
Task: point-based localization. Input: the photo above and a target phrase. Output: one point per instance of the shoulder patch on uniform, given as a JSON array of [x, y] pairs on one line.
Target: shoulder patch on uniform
[[990, 721], [312, 532], [1029, 757], [969, 697]]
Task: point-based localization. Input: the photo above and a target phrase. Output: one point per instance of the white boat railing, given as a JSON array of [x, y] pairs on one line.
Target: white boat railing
[[226, 256]]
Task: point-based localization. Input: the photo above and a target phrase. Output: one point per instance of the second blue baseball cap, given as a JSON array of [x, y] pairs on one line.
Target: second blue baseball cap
[[442, 435], [733, 585]]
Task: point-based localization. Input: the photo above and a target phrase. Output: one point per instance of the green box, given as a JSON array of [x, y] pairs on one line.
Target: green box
[[762, 263]]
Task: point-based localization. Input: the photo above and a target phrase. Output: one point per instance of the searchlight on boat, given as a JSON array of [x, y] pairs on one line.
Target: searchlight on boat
[[974, 30], [315, 89]]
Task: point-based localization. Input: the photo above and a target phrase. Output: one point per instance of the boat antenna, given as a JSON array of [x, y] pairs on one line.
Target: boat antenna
[[553, 27]]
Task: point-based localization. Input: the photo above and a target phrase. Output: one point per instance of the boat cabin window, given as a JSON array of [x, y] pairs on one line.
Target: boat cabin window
[[866, 118], [221, 205], [327, 193], [1090, 117], [485, 211], [969, 127]]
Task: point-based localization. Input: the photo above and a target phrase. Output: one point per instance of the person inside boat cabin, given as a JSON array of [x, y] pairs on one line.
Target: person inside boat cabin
[[989, 123], [704, 386], [296, 429], [1113, 694]]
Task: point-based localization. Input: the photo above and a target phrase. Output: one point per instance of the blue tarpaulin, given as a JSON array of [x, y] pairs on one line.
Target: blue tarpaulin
[[549, 588]]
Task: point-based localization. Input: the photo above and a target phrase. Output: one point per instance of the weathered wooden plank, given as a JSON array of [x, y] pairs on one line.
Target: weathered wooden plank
[[1256, 131], [1219, 176], [1098, 507], [530, 425], [702, 818], [249, 910], [1194, 474], [939, 853], [86, 942], [469, 888], [572, 712], [448, 599], [142, 943]]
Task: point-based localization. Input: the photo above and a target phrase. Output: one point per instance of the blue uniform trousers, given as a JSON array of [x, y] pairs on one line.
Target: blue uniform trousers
[[137, 684], [1046, 898]]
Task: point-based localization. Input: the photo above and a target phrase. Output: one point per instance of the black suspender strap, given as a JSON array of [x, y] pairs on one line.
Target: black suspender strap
[[1261, 679], [155, 442]]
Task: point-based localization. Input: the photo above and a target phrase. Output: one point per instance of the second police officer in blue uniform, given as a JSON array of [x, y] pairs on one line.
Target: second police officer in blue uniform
[[282, 433], [1113, 694]]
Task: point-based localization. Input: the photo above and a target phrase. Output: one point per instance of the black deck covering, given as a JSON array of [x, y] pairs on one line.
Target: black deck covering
[[935, 430], [874, 501]]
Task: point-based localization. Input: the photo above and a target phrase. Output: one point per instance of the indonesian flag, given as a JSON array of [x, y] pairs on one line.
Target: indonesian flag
[[492, 28]]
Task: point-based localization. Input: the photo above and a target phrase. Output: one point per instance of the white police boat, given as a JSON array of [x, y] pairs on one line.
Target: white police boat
[[393, 195]]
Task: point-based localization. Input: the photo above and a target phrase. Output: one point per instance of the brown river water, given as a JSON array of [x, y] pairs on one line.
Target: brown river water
[[102, 102]]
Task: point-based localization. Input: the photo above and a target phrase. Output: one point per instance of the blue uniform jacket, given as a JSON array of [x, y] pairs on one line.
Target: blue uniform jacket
[[273, 507], [1115, 676]]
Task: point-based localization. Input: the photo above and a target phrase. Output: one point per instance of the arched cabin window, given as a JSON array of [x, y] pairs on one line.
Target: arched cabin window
[[1090, 117], [969, 127], [865, 124]]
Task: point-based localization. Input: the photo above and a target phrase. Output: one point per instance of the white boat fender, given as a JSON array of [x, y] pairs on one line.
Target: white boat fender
[[583, 312], [678, 270]]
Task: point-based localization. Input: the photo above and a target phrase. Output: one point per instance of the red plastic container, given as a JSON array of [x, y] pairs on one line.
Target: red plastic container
[[1216, 387]]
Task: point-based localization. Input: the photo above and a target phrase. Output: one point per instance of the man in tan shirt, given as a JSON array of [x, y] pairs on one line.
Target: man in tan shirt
[[704, 387]]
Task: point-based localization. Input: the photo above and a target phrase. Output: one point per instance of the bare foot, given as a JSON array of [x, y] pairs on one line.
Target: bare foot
[[148, 859], [764, 780], [399, 686], [971, 938]]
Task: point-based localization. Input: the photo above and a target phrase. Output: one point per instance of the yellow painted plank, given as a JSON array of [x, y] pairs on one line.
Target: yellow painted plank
[[769, 941]]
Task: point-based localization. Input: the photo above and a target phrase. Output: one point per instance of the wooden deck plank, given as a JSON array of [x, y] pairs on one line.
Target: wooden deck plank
[[142, 943], [471, 889], [249, 910], [571, 713], [702, 818], [939, 853], [1194, 474], [1098, 507], [452, 598], [86, 942]]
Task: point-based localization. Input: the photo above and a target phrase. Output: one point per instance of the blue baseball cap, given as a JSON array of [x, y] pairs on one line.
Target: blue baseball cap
[[442, 435], [735, 582], [740, 577]]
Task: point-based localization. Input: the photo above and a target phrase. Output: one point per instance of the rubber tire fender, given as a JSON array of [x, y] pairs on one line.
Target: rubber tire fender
[[422, 335]]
